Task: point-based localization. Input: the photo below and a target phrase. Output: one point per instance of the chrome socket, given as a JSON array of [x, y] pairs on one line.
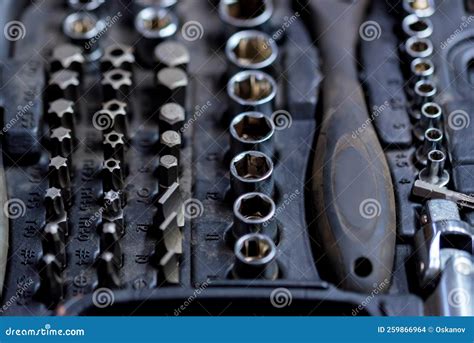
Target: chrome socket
[[418, 48], [434, 172], [255, 258], [433, 141], [421, 8], [251, 171], [414, 26], [251, 131], [250, 49], [421, 69], [155, 24], [254, 213], [84, 29], [251, 90], [424, 92], [241, 15], [86, 5], [431, 114]]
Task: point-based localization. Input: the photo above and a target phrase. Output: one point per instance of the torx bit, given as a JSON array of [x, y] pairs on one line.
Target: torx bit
[[114, 145], [170, 144], [67, 56], [55, 205], [171, 117], [172, 84], [118, 112], [110, 237], [117, 56], [108, 271], [116, 84], [60, 176], [113, 212], [171, 54], [428, 190], [54, 242], [112, 175], [61, 142], [61, 113], [51, 287], [64, 84]]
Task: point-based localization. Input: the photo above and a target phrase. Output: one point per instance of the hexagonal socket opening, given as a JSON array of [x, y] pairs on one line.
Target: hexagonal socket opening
[[253, 88], [255, 207], [433, 135], [431, 110], [157, 21], [245, 9], [255, 248], [252, 166], [422, 67], [252, 50], [253, 128]]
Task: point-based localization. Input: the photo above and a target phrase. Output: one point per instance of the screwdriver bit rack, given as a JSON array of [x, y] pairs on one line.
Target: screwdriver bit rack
[[122, 164]]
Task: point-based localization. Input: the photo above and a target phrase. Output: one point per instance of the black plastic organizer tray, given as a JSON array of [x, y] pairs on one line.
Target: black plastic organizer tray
[[196, 280]]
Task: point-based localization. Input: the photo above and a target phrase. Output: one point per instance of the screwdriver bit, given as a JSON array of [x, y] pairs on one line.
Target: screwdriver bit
[[117, 56], [61, 113], [172, 84], [116, 84], [117, 111], [51, 288], [60, 176], [54, 202], [167, 171], [64, 84], [112, 175], [110, 242], [427, 190], [108, 271], [171, 117], [113, 212], [61, 142], [114, 145], [54, 242], [170, 144], [171, 54], [67, 56]]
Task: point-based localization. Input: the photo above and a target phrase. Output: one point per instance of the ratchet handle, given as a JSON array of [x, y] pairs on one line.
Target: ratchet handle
[[352, 187]]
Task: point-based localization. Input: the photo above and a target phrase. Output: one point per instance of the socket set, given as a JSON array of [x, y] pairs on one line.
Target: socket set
[[237, 157]]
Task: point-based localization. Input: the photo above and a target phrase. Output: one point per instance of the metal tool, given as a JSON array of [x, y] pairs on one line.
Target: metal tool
[[114, 146], [433, 141], [61, 113], [255, 258], [60, 176], [171, 86], [431, 114], [108, 271], [112, 175], [415, 26], [110, 238], [83, 29], [421, 69], [67, 56], [116, 111], [113, 212], [171, 54], [117, 56], [116, 84], [245, 14], [251, 90], [434, 172], [251, 171], [54, 243], [64, 84], [254, 213], [250, 49], [424, 92], [171, 117], [170, 144], [421, 8], [252, 131], [61, 142], [168, 172], [350, 175], [418, 48], [85, 5], [427, 190], [51, 288]]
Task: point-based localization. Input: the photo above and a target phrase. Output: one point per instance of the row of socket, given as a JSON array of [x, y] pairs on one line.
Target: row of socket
[[422, 90]]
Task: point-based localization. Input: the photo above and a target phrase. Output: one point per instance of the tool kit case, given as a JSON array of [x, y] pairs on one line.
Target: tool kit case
[[237, 157]]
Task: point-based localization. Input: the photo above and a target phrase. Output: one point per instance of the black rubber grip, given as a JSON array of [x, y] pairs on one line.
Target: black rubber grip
[[353, 192]]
